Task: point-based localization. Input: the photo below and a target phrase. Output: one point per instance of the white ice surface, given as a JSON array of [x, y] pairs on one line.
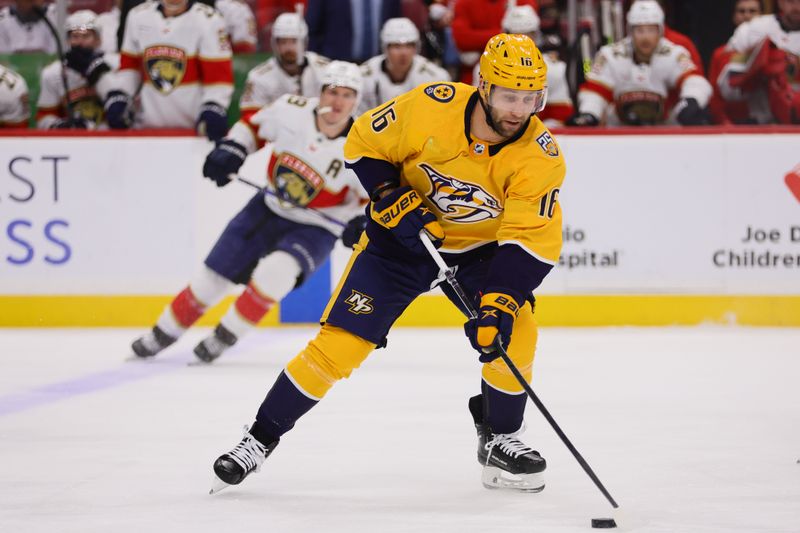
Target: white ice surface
[[691, 430]]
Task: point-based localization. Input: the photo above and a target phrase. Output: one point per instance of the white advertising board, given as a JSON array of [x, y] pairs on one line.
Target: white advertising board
[[649, 214]]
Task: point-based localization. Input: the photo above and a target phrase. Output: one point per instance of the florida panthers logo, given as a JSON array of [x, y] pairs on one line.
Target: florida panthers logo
[[165, 67], [295, 179], [460, 201]]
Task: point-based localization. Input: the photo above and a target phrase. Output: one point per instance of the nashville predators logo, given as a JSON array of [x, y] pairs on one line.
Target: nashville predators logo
[[547, 143], [165, 67], [295, 180], [441, 92], [460, 202], [360, 304]]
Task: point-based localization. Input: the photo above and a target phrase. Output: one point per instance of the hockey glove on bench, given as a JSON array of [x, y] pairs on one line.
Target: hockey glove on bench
[[402, 212], [495, 317]]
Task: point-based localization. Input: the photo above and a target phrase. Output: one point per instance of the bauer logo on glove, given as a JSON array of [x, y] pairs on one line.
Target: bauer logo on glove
[[403, 213], [496, 317]]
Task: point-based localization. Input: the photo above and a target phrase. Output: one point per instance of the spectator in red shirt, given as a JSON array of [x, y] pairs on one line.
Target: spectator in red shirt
[[733, 112], [474, 23]]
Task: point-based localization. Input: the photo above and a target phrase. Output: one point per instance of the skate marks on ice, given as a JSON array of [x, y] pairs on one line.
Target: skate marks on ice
[[691, 429]]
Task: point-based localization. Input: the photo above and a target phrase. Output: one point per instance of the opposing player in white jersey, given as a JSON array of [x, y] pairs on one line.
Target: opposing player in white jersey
[[14, 108], [23, 30], [399, 68], [240, 23], [524, 20], [291, 70], [631, 80], [278, 240], [765, 68], [82, 108], [179, 52]]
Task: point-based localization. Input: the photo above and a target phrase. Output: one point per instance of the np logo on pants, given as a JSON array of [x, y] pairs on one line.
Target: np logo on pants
[[360, 304]]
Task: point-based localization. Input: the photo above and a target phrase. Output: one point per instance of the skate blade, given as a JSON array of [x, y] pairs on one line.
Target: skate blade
[[495, 478], [217, 485]]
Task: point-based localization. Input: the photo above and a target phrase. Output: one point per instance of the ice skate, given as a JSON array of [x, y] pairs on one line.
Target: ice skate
[[246, 457], [152, 342], [212, 346], [508, 463]]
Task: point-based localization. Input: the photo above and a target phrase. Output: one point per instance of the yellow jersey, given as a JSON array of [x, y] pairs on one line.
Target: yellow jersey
[[480, 192]]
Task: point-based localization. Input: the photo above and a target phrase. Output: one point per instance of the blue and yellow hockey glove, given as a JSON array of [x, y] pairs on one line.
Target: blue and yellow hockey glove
[[495, 317], [403, 213]]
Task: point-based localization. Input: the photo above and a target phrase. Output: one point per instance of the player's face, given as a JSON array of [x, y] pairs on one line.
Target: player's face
[[400, 56], [790, 13], [510, 108], [645, 39], [340, 100], [287, 50], [83, 39], [746, 10], [175, 6]]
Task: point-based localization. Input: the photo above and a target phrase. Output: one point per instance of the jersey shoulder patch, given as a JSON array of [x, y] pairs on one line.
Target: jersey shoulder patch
[[547, 144], [440, 92]]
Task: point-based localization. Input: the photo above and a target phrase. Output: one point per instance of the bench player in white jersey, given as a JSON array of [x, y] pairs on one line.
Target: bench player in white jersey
[[274, 245], [631, 80], [523, 20], [108, 22], [240, 23], [291, 70], [23, 30], [179, 53], [399, 68], [86, 66], [765, 68], [14, 108]]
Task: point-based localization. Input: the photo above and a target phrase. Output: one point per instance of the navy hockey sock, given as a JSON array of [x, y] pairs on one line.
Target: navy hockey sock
[[279, 411]]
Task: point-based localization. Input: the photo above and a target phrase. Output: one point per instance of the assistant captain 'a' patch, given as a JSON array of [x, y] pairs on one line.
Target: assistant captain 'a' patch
[[547, 144], [441, 92]]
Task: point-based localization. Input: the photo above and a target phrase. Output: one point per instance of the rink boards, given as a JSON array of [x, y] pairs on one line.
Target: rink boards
[[665, 228]]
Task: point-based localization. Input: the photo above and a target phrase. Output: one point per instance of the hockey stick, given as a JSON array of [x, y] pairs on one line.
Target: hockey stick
[[42, 13], [289, 201], [450, 276]]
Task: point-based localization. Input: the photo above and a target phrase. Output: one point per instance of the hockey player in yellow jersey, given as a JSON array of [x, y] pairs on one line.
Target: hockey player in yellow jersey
[[480, 173]]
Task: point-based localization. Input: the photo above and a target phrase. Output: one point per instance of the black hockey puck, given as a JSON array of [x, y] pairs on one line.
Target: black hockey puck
[[603, 523]]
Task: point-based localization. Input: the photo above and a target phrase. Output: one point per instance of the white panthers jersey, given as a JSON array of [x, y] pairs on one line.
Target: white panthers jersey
[[240, 23], [618, 85], [109, 25], [268, 81], [379, 88], [750, 34], [14, 108], [306, 166], [86, 103], [16, 36], [181, 63]]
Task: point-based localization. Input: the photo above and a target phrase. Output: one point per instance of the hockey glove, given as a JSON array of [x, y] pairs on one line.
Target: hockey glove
[[89, 62], [583, 120], [225, 159], [118, 111], [213, 121], [689, 113], [403, 213], [495, 318], [352, 232]]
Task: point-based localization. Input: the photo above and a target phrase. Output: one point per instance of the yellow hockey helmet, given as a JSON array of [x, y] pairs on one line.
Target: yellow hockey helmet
[[513, 61]]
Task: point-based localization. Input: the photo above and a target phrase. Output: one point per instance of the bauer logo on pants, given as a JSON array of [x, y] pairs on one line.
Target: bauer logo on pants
[[360, 304], [165, 67]]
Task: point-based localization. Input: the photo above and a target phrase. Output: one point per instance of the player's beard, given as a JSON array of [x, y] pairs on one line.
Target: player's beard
[[499, 125]]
